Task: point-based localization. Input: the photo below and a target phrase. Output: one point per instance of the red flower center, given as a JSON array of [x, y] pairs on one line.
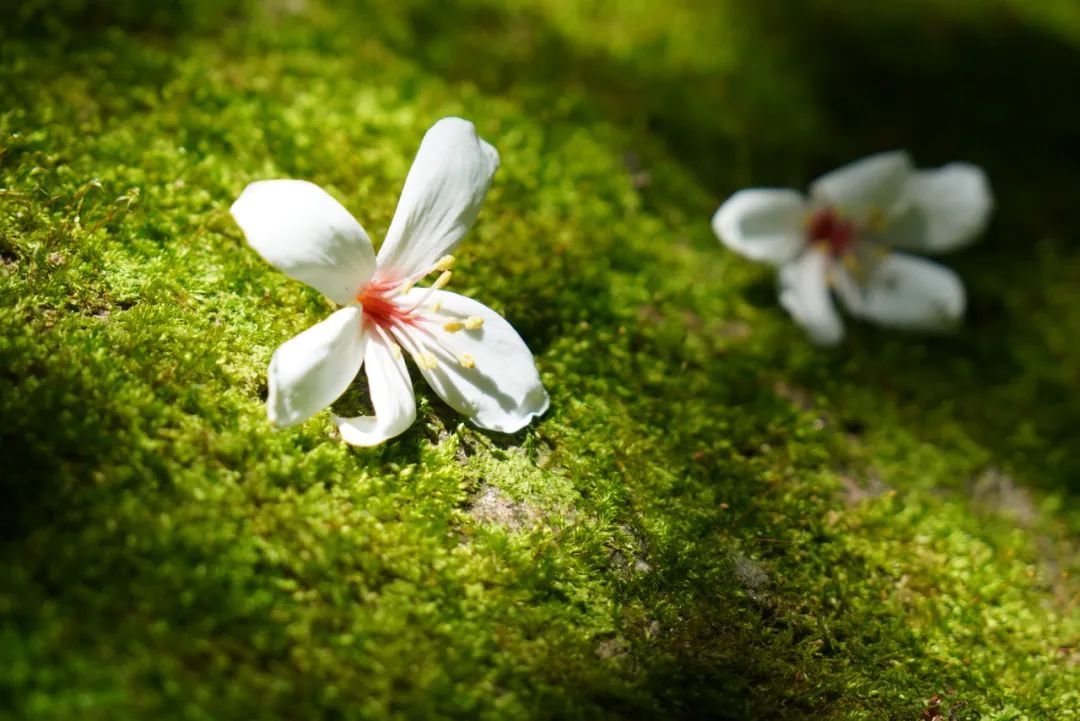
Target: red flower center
[[826, 226], [380, 309]]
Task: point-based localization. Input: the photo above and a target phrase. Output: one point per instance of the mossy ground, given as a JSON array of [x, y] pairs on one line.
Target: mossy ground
[[714, 519]]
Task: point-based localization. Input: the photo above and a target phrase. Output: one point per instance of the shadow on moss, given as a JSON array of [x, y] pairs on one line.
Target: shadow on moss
[[78, 21], [997, 91]]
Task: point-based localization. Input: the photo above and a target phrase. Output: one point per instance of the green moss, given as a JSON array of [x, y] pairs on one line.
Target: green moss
[[714, 520]]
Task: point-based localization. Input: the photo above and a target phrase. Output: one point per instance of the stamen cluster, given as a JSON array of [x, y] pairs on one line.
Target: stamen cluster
[[828, 228], [379, 298], [387, 313]]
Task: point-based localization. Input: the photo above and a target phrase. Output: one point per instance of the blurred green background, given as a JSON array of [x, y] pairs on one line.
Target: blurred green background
[[715, 520]]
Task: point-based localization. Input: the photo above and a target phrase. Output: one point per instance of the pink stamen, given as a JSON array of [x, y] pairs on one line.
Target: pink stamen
[[826, 226]]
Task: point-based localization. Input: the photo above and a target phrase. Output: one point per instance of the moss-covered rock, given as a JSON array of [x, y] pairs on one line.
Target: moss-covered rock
[[714, 519]]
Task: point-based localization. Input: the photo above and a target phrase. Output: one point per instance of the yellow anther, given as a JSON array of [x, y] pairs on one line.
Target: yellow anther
[[851, 262], [445, 263], [453, 326], [407, 286], [474, 322], [442, 280], [466, 361], [436, 306], [427, 360], [395, 350], [876, 220]]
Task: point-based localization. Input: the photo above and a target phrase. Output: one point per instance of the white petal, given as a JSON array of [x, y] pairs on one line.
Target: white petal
[[309, 372], [804, 292], [391, 396], [306, 234], [763, 224], [947, 208], [903, 291], [873, 186], [502, 391], [441, 198]]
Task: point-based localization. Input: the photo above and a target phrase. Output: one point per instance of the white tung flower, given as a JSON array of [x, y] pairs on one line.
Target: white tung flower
[[842, 237], [467, 352]]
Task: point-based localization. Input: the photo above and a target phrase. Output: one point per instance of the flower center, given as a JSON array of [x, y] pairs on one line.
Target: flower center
[[381, 297], [377, 300], [826, 227], [406, 324]]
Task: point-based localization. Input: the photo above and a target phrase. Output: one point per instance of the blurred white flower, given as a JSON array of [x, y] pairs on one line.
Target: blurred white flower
[[467, 352], [842, 238]]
